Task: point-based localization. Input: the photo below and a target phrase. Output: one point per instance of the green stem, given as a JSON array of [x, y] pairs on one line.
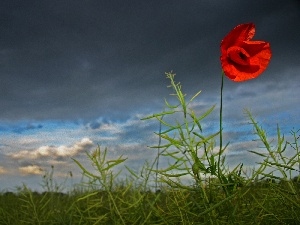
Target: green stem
[[221, 128], [220, 175]]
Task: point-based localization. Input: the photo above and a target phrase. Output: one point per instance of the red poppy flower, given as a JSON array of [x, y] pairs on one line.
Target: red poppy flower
[[241, 58]]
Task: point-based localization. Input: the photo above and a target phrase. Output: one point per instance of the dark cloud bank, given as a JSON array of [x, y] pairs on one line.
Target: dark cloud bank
[[88, 59]]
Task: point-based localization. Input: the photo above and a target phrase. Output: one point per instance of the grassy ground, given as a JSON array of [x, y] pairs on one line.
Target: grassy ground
[[263, 202]]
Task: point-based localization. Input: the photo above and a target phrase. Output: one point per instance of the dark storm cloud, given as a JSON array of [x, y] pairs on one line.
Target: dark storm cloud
[[20, 127], [86, 59], [94, 125], [28, 127]]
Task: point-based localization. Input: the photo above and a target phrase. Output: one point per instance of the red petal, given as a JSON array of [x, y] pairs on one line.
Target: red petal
[[242, 32]]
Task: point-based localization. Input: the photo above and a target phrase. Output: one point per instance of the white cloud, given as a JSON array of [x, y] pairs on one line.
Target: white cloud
[[3, 170], [31, 169], [54, 152], [111, 128]]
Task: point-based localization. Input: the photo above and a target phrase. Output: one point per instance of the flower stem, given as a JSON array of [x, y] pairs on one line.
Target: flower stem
[[221, 128]]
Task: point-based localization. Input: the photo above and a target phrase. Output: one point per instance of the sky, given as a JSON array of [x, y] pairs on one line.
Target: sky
[[78, 74]]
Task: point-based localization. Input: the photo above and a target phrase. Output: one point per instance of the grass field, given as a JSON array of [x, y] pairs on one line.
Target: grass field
[[261, 202]]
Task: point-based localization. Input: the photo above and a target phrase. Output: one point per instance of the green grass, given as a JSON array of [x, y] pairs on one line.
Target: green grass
[[262, 202], [216, 194]]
